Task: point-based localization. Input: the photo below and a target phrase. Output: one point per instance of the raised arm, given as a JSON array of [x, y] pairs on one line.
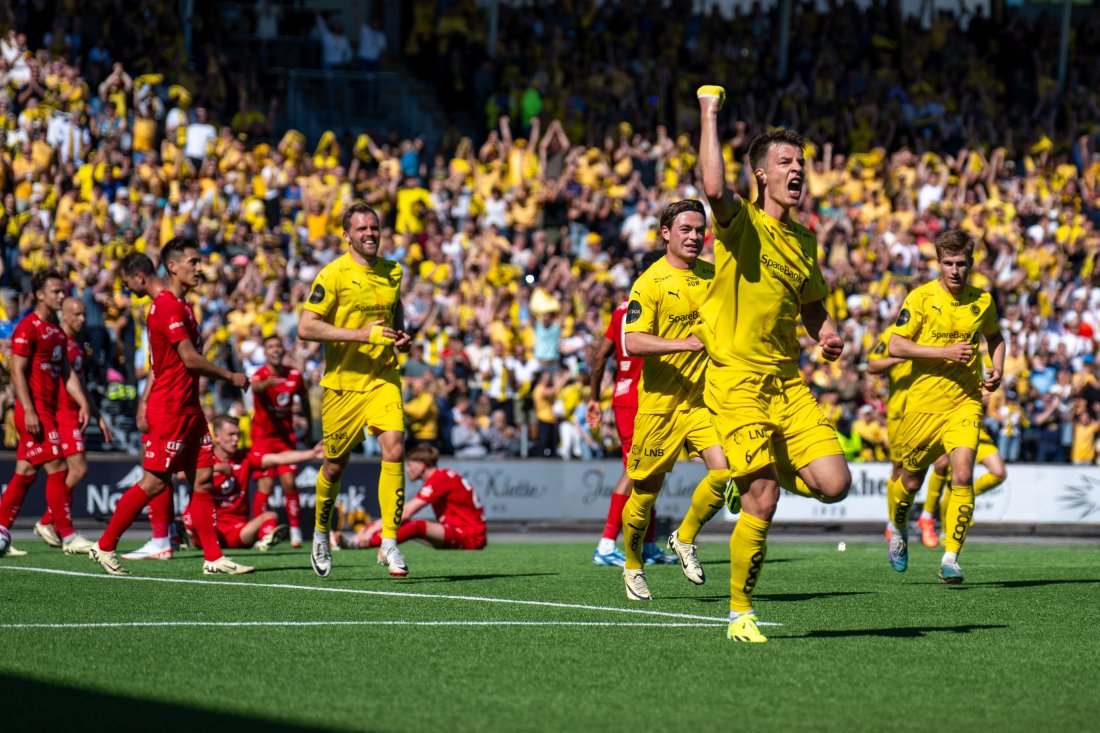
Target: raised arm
[[723, 202]]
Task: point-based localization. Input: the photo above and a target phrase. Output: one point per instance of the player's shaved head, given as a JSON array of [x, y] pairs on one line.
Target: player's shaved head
[[72, 305]]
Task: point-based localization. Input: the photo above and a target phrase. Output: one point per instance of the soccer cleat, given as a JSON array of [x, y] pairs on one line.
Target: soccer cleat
[[689, 560], [295, 537], [14, 551], [321, 555], [928, 534], [272, 538], [951, 573], [732, 495], [712, 90], [181, 539], [897, 550], [652, 555], [637, 589], [48, 534], [745, 628], [394, 560], [5, 541], [615, 557], [77, 545], [107, 560], [152, 550], [224, 566]]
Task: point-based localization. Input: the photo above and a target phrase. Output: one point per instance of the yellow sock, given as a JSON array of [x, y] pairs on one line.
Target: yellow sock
[[957, 518], [899, 503], [706, 501], [987, 482], [636, 517], [935, 488], [326, 499], [748, 548], [391, 497]]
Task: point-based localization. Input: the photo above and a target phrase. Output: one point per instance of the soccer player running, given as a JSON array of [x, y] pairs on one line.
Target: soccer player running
[[939, 327], [767, 278], [460, 521], [39, 373], [232, 471], [664, 305], [899, 374], [177, 438], [354, 308], [274, 386], [73, 314]]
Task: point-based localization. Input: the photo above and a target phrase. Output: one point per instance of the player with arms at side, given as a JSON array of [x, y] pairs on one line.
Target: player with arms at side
[[664, 306], [624, 401], [354, 308], [73, 314], [767, 279], [938, 327], [177, 438], [460, 522], [274, 386], [899, 374], [39, 373]]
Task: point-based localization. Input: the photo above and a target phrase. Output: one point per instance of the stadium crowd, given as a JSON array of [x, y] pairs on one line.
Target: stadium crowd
[[517, 247]]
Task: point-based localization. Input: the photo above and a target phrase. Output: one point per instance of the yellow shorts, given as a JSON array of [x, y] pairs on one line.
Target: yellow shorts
[[658, 440], [986, 446], [893, 424], [344, 415], [764, 420], [925, 436]]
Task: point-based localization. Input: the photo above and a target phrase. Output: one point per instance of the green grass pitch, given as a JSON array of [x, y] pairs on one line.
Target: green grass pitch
[[532, 637]]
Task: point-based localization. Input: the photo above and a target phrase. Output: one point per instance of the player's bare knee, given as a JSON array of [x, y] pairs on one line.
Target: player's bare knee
[[962, 478], [153, 484], [333, 470]]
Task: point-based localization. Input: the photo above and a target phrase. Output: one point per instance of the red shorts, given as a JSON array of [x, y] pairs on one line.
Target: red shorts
[[41, 450], [72, 437], [256, 455], [624, 425], [457, 537], [228, 529], [178, 443]]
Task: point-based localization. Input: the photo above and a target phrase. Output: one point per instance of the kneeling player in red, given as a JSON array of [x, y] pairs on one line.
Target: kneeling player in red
[[232, 471], [460, 521]]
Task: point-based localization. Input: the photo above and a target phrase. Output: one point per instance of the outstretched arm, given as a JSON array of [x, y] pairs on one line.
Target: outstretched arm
[[723, 202]]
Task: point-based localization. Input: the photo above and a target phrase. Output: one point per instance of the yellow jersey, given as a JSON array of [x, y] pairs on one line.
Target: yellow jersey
[[931, 316], [665, 302], [765, 270], [899, 375], [349, 295]]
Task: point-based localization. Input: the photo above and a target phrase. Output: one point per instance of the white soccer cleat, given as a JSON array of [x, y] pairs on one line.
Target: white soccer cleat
[[107, 560], [295, 537], [394, 560], [5, 541], [48, 534], [77, 545], [321, 555], [154, 549], [689, 560], [224, 566], [272, 538], [637, 589]]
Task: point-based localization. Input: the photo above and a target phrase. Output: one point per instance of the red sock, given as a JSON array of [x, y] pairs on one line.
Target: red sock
[[47, 517], [205, 518], [293, 508], [128, 509], [259, 504], [615, 516], [267, 527], [651, 533], [160, 513], [12, 501], [58, 496], [407, 531]]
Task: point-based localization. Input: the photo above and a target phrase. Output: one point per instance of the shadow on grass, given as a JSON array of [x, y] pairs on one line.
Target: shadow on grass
[[1030, 583], [795, 597], [914, 632], [25, 701], [480, 576], [768, 561]]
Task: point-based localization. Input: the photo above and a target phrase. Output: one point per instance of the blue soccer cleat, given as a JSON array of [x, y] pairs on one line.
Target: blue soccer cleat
[[652, 555], [897, 550], [615, 558]]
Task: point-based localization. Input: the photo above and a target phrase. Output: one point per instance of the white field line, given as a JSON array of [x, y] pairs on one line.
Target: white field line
[[399, 594], [239, 624]]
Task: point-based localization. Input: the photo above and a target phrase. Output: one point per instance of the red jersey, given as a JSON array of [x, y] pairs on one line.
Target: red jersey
[[453, 500], [628, 368], [273, 421], [43, 343], [230, 490], [74, 351], [175, 388]]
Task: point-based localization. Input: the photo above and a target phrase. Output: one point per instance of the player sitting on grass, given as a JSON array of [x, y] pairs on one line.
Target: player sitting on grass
[[460, 522]]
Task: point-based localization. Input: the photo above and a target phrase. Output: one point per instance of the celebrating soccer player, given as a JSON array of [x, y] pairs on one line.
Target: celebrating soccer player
[[664, 306], [767, 278], [40, 372], [354, 308], [939, 328], [177, 438], [274, 386]]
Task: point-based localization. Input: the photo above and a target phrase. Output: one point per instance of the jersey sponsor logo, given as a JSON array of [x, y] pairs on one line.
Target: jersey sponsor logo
[[360, 308], [633, 311], [903, 317], [740, 436], [954, 335], [283, 398], [692, 282], [336, 436], [173, 446], [686, 318], [638, 450], [782, 268], [317, 295]]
